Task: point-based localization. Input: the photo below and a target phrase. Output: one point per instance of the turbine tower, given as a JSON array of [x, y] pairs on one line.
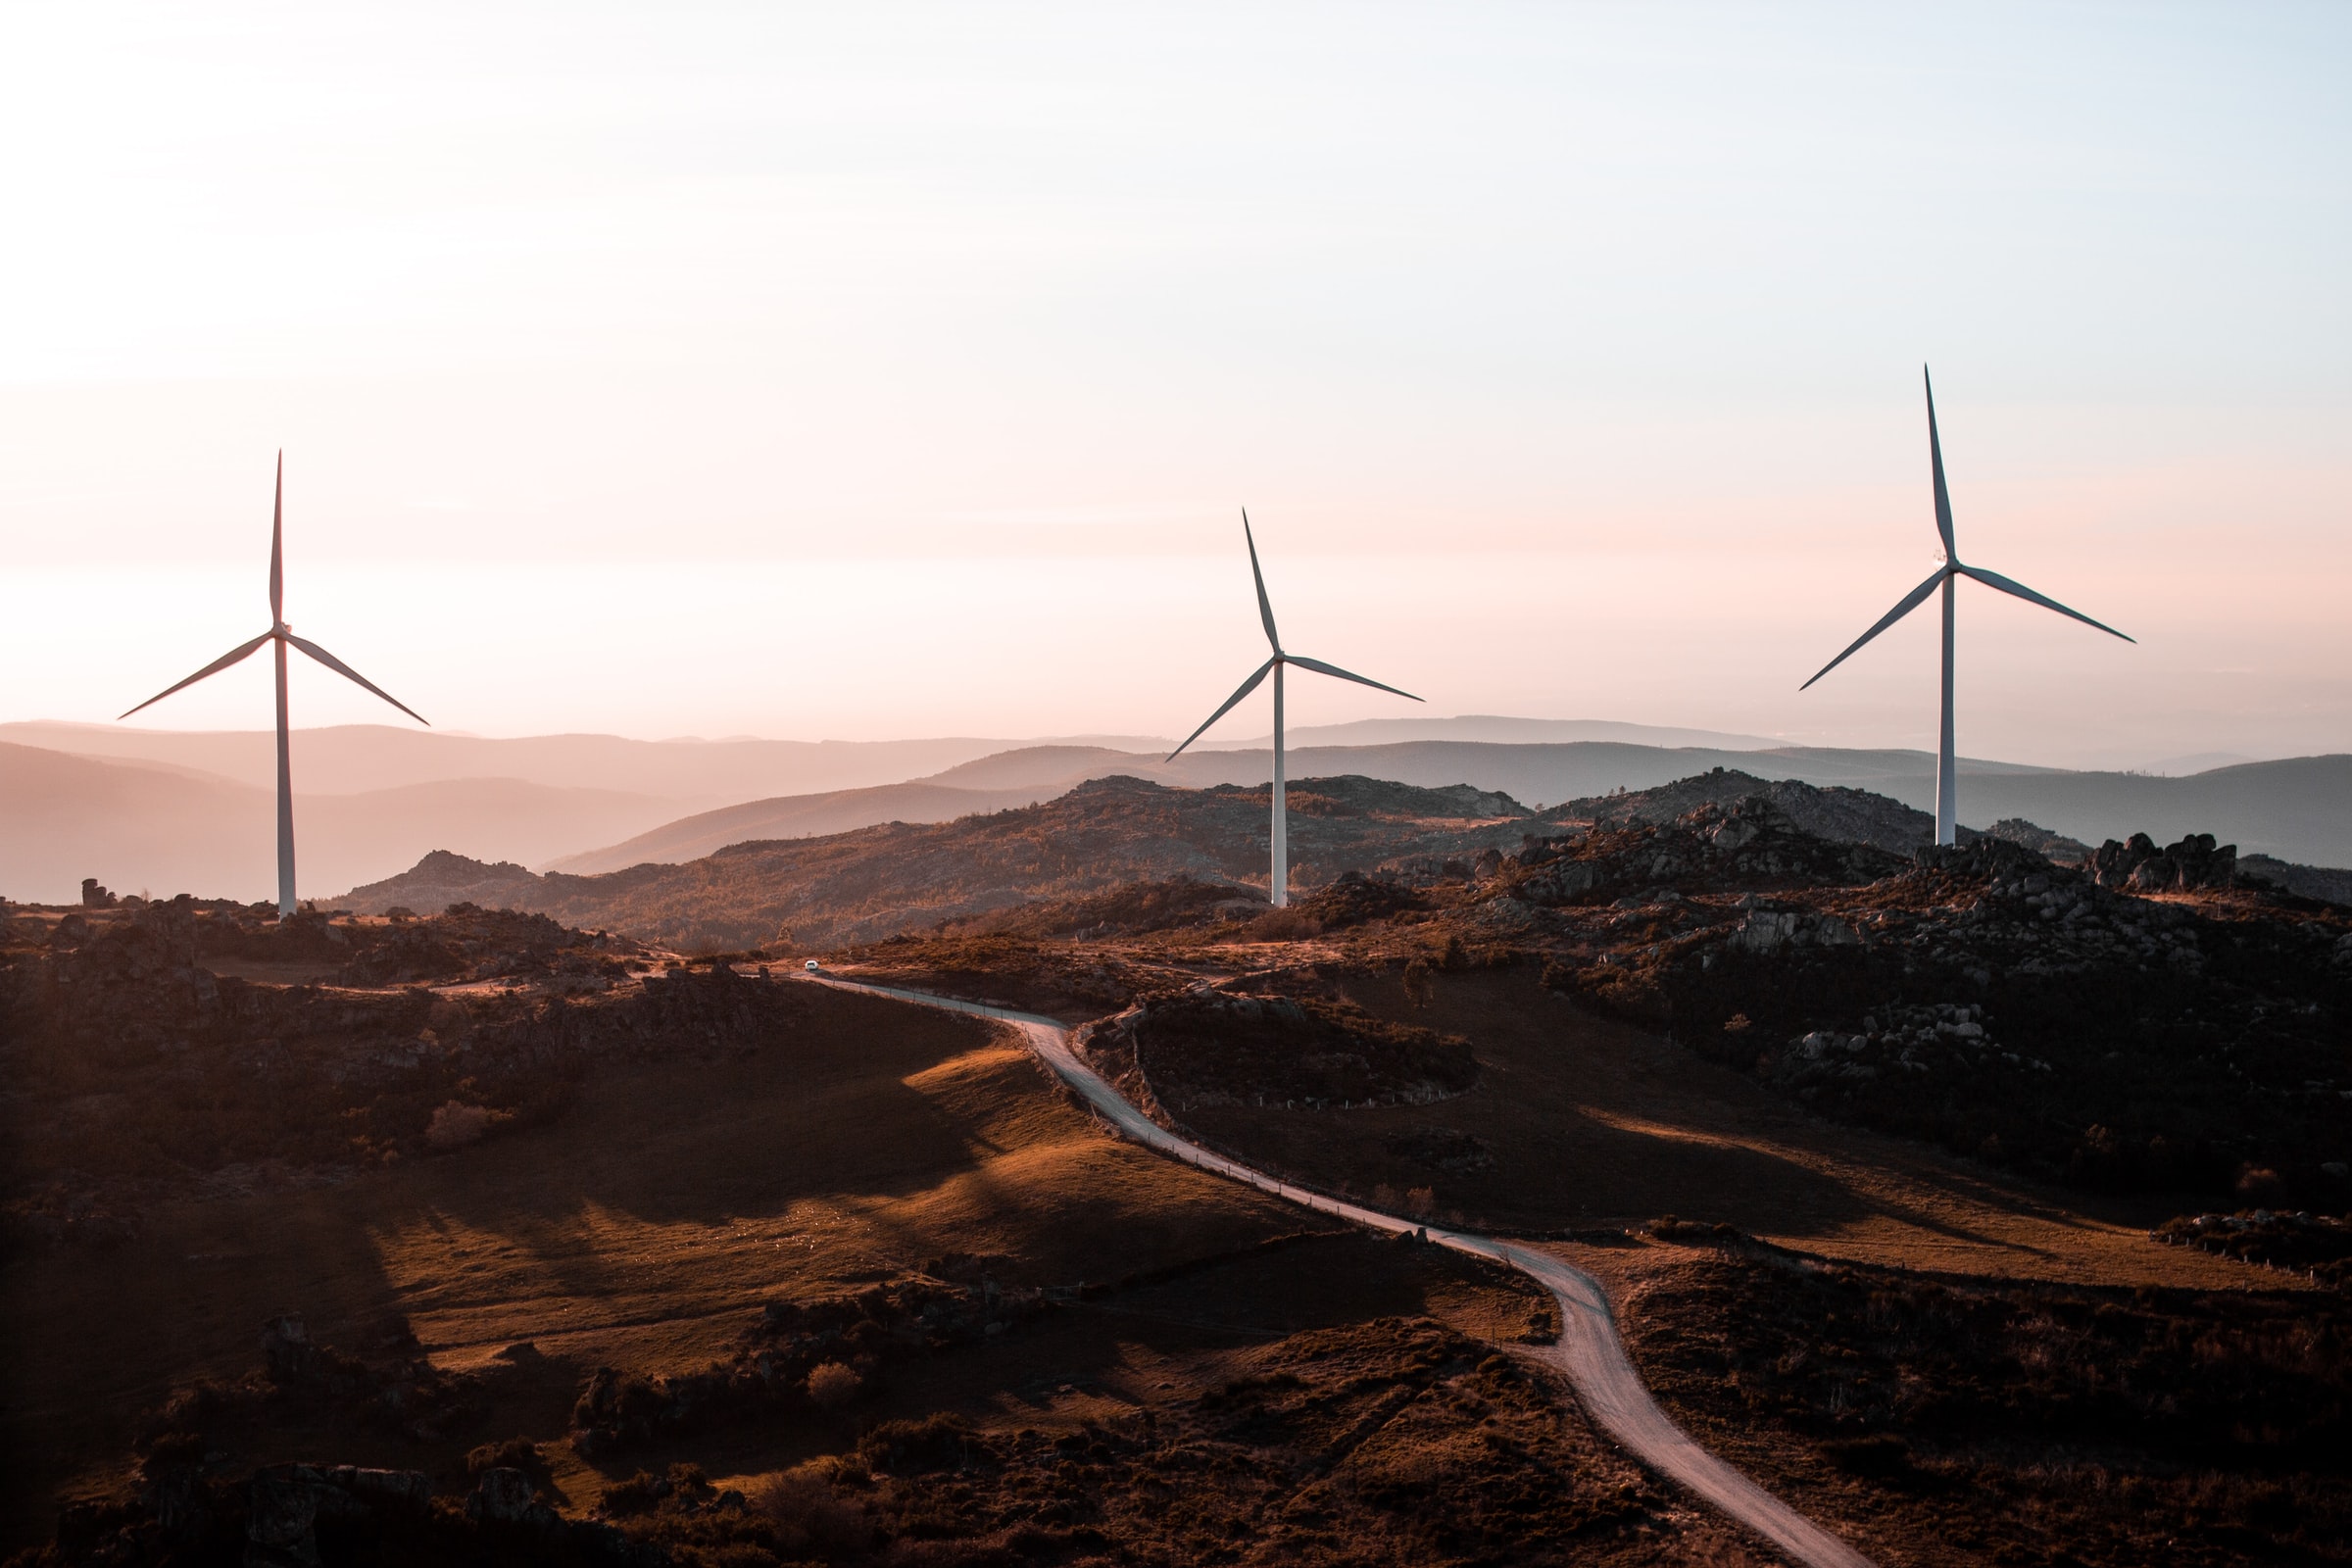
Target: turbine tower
[[282, 636], [1278, 888], [1945, 574]]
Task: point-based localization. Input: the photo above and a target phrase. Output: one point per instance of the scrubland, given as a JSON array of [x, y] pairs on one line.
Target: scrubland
[[1978, 1208], [813, 1275]]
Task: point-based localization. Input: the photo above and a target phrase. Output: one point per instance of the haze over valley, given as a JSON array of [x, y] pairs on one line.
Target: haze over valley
[[167, 811]]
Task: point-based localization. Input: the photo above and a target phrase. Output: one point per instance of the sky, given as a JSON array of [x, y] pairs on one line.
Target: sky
[[888, 371]]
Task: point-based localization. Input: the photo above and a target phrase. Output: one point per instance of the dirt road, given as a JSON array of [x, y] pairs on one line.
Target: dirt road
[[1588, 1353]]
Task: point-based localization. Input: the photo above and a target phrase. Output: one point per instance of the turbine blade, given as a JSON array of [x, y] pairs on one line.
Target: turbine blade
[[1247, 687], [1321, 668], [1943, 497], [212, 668], [1911, 601], [277, 545], [1993, 579], [349, 674], [1265, 611]]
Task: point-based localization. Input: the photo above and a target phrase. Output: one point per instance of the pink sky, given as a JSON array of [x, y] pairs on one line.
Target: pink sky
[[721, 370]]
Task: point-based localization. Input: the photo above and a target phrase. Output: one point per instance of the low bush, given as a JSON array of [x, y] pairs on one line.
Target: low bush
[[833, 1384]]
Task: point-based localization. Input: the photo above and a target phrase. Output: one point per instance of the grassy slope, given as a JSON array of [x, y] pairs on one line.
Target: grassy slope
[[639, 1231], [1591, 1122], [643, 1230], [1948, 1423]]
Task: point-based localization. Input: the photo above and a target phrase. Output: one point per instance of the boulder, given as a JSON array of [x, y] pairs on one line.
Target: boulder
[[2000, 860], [281, 1518], [288, 1353], [287, 1502], [1772, 930], [507, 1497], [1559, 881]]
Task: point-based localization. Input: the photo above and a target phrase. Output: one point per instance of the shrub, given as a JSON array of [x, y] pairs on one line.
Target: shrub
[[642, 1492], [809, 1518], [834, 1385], [938, 1442], [1880, 1457], [2257, 1183], [515, 1453], [1282, 925], [456, 1124]]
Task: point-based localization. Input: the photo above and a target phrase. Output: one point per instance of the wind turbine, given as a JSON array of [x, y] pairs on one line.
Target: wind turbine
[[282, 636], [1946, 572], [1279, 885]]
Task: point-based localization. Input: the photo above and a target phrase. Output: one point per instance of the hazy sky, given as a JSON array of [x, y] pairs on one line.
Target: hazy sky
[[873, 370]]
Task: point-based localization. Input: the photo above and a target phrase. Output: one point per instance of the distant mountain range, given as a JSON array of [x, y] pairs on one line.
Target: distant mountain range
[[2295, 810], [1495, 728], [345, 758], [171, 810]]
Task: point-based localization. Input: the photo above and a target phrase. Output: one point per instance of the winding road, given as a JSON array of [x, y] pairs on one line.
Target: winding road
[[1588, 1352]]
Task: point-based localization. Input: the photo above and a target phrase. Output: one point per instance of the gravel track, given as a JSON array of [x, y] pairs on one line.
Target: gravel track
[[1588, 1352]]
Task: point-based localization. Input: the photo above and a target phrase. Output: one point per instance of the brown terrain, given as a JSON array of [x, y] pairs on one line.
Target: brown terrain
[[851, 886], [1109, 834], [1981, 1206], [639, 1288]]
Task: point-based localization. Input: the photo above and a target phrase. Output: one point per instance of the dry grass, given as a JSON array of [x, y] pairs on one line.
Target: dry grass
[[1960, 1422], [1578, 1122], [641, 1231], [1334, 1380]]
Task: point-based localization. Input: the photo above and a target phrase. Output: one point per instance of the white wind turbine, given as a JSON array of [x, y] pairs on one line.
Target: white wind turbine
[[1278, 892], [281, 634], [1949, 570]]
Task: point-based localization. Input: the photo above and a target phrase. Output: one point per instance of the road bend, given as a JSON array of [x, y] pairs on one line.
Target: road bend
[[1588, 1352]]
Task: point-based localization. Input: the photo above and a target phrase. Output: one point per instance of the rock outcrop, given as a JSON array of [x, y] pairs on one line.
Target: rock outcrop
[[506, 1496], [287, 1502], [2138, 864], [1750, 844]]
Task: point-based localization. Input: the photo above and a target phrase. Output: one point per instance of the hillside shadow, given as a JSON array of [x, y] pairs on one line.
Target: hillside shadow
[[611, 1203], [1580, 1121]]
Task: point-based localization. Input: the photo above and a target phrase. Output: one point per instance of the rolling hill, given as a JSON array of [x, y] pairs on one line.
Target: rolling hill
[[876, 881], [2292, 809]]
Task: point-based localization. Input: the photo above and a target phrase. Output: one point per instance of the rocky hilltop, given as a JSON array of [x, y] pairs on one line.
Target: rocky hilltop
[[195, 1049], [2139, 1017], [860, 886], [1848, 815], [1068, 866]]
